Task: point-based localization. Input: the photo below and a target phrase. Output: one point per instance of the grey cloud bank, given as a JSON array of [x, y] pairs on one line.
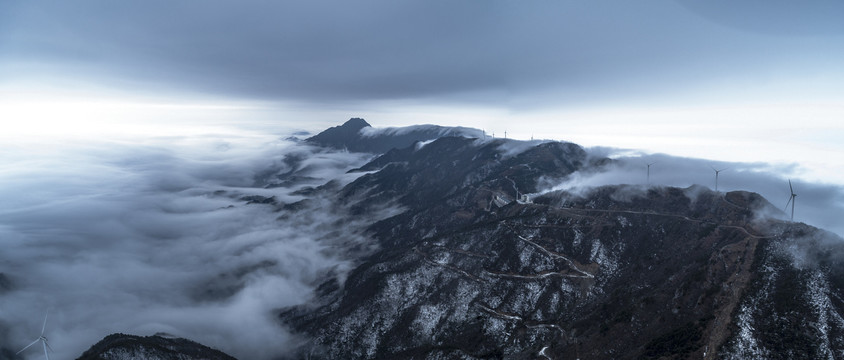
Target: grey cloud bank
[[493, 52], [821, 205], [141, 238], [778, 17]]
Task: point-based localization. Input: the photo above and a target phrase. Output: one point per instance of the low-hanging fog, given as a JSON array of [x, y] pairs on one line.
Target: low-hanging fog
[[153, 236], [820, 205]]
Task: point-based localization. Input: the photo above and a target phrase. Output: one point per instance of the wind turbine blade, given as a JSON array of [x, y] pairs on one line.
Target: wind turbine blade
[[44, 327], [45, 350], [788, 203], [789, 187], [27, 347], [48, 346]]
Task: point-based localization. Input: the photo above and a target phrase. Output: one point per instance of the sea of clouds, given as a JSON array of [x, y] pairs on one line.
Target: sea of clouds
[[817, 204], [153, 235]]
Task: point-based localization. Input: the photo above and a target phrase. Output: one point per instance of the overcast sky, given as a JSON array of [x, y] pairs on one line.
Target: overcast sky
[[742, 81], [487, 51], [542, 53]]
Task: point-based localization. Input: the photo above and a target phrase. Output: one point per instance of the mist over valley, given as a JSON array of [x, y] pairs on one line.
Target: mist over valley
[[208, 238]]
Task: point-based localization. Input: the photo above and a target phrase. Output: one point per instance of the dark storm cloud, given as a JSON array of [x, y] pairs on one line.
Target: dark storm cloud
[[489, 51]]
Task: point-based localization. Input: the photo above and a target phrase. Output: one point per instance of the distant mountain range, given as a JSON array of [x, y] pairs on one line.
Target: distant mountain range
[[357, 135], [480, 263]]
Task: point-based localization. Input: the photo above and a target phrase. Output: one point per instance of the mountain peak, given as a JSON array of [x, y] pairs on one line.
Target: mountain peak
[[124, 346], [340, 136], [356, 123], [357, 135]]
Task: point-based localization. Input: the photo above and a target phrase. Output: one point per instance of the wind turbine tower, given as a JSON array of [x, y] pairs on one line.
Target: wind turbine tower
[[716, 176], [791, 200], [42, 339]]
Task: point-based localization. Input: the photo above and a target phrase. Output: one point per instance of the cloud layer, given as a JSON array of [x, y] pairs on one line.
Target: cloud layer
[[821, 205], [155, 236], [140, 238], [494, 52]]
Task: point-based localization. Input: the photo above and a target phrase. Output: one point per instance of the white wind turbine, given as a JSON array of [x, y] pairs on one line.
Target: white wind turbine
[[716, 176], [791, 200], [42, 339]]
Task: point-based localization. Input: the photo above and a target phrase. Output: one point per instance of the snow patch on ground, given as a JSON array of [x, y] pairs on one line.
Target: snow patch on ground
[[427, 319], [578, 237], [746, 346], [441, 257], [822, 307], [623, 221], [598, 254]]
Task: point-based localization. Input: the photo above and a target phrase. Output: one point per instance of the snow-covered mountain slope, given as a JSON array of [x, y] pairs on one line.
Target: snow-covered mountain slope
[[467, 271], [456, 249]]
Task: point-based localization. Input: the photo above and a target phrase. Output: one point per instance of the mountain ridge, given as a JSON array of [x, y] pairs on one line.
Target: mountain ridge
[[353, 136], [470, 270], [159, 346], [478, 259]]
